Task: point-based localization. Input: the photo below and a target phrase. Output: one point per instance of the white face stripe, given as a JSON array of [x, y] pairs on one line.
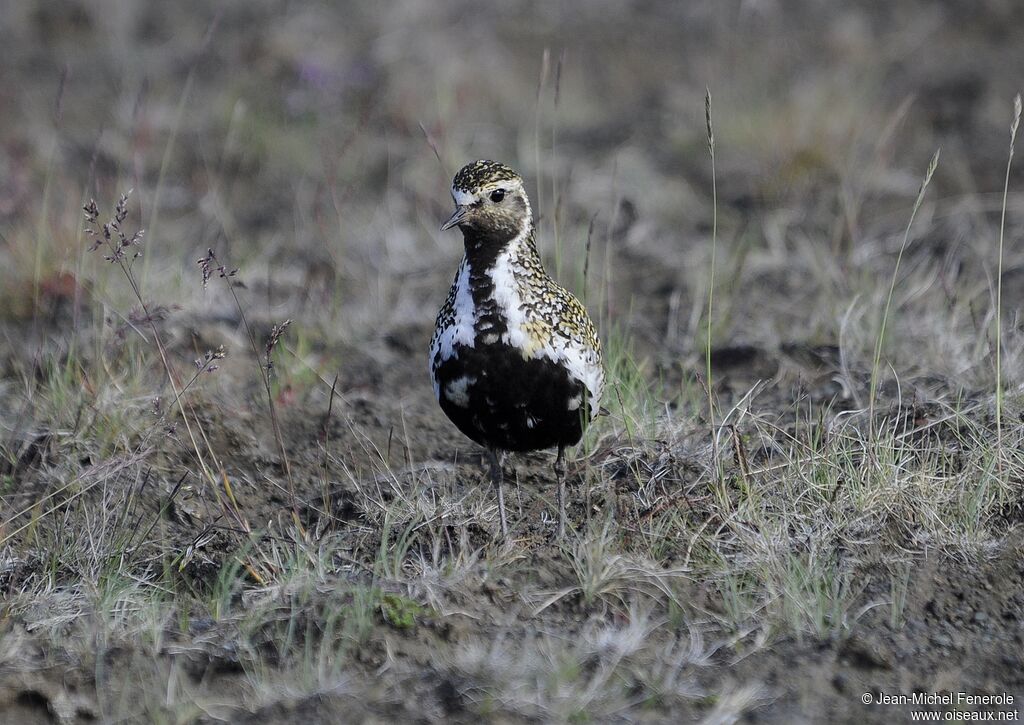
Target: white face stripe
[[462, 198]]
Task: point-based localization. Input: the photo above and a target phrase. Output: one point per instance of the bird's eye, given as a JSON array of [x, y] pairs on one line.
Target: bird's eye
[[497, 195]]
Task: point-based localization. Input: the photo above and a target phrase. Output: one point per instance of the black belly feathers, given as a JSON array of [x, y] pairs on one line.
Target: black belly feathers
[[503, 401]]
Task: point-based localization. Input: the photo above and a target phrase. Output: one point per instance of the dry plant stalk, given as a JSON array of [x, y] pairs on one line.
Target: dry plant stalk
[[210, 265], [112, 236], [999, 277], [711, 278], [879, 341]]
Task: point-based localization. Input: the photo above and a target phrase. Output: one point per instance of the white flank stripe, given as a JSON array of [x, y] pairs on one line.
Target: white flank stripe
[[578, 359], [461, 331]]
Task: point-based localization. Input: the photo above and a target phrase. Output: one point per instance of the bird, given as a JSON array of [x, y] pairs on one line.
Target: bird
[[515, 360]]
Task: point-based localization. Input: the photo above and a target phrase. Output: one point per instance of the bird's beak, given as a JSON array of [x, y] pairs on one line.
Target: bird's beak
[[461, 212]]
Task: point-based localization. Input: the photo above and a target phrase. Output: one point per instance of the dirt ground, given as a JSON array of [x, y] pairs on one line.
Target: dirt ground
[[181, 541]]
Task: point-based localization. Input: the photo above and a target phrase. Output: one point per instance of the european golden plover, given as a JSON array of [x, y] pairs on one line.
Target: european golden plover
[[515, 360]]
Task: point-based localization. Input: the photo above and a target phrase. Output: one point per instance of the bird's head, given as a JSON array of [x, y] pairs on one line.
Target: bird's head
[[490, 203]]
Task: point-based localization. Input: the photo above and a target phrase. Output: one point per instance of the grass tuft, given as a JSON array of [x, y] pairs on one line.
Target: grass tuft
[[880, 338]]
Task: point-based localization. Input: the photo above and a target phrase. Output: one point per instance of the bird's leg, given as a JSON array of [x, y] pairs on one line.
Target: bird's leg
[[560, 478], [497, 479]]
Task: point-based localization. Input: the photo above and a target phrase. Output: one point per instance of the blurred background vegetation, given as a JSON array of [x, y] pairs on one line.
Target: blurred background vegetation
[[296, 140]]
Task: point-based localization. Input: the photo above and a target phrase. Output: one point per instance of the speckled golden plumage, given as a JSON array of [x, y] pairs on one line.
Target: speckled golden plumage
[[483, 174], [551, 311]]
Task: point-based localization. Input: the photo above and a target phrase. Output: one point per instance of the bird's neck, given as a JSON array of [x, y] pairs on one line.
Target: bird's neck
[[484, 246], [494, 269]]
